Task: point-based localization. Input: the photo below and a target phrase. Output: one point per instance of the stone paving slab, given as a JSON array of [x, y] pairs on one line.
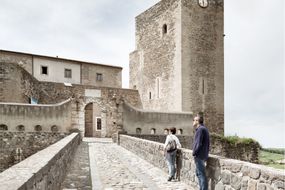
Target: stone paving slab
[[99, 164], [118, 168]]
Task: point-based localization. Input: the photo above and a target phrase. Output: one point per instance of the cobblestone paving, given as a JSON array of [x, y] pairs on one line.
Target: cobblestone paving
[[118, 168], [114, 168]]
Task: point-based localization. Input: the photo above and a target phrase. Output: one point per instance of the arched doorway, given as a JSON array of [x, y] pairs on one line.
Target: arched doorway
[[94, 121], [88, 120]]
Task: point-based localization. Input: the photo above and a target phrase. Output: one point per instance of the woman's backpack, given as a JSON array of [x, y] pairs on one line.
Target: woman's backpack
[[171, 146]]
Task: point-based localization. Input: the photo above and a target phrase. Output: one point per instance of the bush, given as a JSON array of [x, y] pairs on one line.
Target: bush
[[235, 139]]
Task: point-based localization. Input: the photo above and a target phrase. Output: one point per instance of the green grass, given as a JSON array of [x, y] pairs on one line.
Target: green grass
[[269, 159]]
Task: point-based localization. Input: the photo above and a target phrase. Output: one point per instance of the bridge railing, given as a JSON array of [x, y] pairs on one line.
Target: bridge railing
[[44, 170], [222, 173]]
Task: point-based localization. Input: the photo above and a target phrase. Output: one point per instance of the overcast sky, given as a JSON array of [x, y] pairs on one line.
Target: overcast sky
[[103, 31]]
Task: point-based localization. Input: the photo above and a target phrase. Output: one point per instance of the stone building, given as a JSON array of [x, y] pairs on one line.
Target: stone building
[[33, 99], [178, 62], [61, 70], [176, 71]]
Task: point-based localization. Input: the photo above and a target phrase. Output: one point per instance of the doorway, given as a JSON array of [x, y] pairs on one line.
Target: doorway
[[88, 120]]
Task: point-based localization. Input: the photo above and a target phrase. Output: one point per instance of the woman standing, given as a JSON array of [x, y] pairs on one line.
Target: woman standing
[[170, 148]]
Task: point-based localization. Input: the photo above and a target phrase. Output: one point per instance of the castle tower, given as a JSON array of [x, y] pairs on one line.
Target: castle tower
[[178, 63]]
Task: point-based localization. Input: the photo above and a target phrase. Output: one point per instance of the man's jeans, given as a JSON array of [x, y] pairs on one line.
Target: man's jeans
[[201, 173], [171, 158]]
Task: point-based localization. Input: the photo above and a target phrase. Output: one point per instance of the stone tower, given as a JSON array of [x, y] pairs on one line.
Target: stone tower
[[178, 63]]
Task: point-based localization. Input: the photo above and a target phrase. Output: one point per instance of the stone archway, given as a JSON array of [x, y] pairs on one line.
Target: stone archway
[[94, 120]]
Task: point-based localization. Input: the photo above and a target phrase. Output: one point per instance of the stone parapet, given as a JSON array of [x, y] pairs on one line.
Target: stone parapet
[[43, 170], [222, 173], [36, 117], [137, 121], [245, 151]]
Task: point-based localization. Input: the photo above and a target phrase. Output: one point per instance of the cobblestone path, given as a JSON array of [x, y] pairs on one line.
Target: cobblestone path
[[113, 167]]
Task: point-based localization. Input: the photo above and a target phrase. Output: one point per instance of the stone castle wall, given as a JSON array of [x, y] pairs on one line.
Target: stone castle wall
[[44, 170], [222, 173], [203, 61], [32, 118], [148, 121], [17, 85], [154, 65], [17, 146], [24, 60], [241, 151], [178, 61]]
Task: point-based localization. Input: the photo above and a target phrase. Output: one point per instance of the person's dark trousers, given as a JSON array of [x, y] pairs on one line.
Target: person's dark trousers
[[201, 173]]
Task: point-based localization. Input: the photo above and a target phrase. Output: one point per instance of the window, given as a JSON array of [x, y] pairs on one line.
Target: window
[[166, 131], [38, 128], [98, 124], [67, 73], [180, 132], [138, 131], [54, 128], [99, 76], [20, 128], [3, 127], [152, 131], [44, 70], [164, 29], [150, 95]]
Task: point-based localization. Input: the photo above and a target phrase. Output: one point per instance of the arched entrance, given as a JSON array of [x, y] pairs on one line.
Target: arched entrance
[[88, 120], [94, 121]]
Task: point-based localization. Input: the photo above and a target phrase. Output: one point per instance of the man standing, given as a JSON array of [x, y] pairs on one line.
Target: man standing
[[201, 150]]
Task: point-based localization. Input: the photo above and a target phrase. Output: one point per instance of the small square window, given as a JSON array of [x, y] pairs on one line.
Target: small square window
[[67, 73], [99, 76], [44, 70]]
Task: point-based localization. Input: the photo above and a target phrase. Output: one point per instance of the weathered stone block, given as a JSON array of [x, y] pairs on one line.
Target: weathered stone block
[[226, 177], [219, 186], [236, 181], [279, 184], [252, 185]]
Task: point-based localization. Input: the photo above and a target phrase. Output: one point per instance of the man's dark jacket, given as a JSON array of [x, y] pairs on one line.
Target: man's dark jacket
[[201, 143]]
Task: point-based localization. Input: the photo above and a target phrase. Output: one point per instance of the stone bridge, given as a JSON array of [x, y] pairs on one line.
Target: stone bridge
[[131, 163]]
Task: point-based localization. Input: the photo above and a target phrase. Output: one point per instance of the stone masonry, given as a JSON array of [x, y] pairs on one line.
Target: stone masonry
[[17, 146], [178, 61], [223, 173], [44, 170]]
